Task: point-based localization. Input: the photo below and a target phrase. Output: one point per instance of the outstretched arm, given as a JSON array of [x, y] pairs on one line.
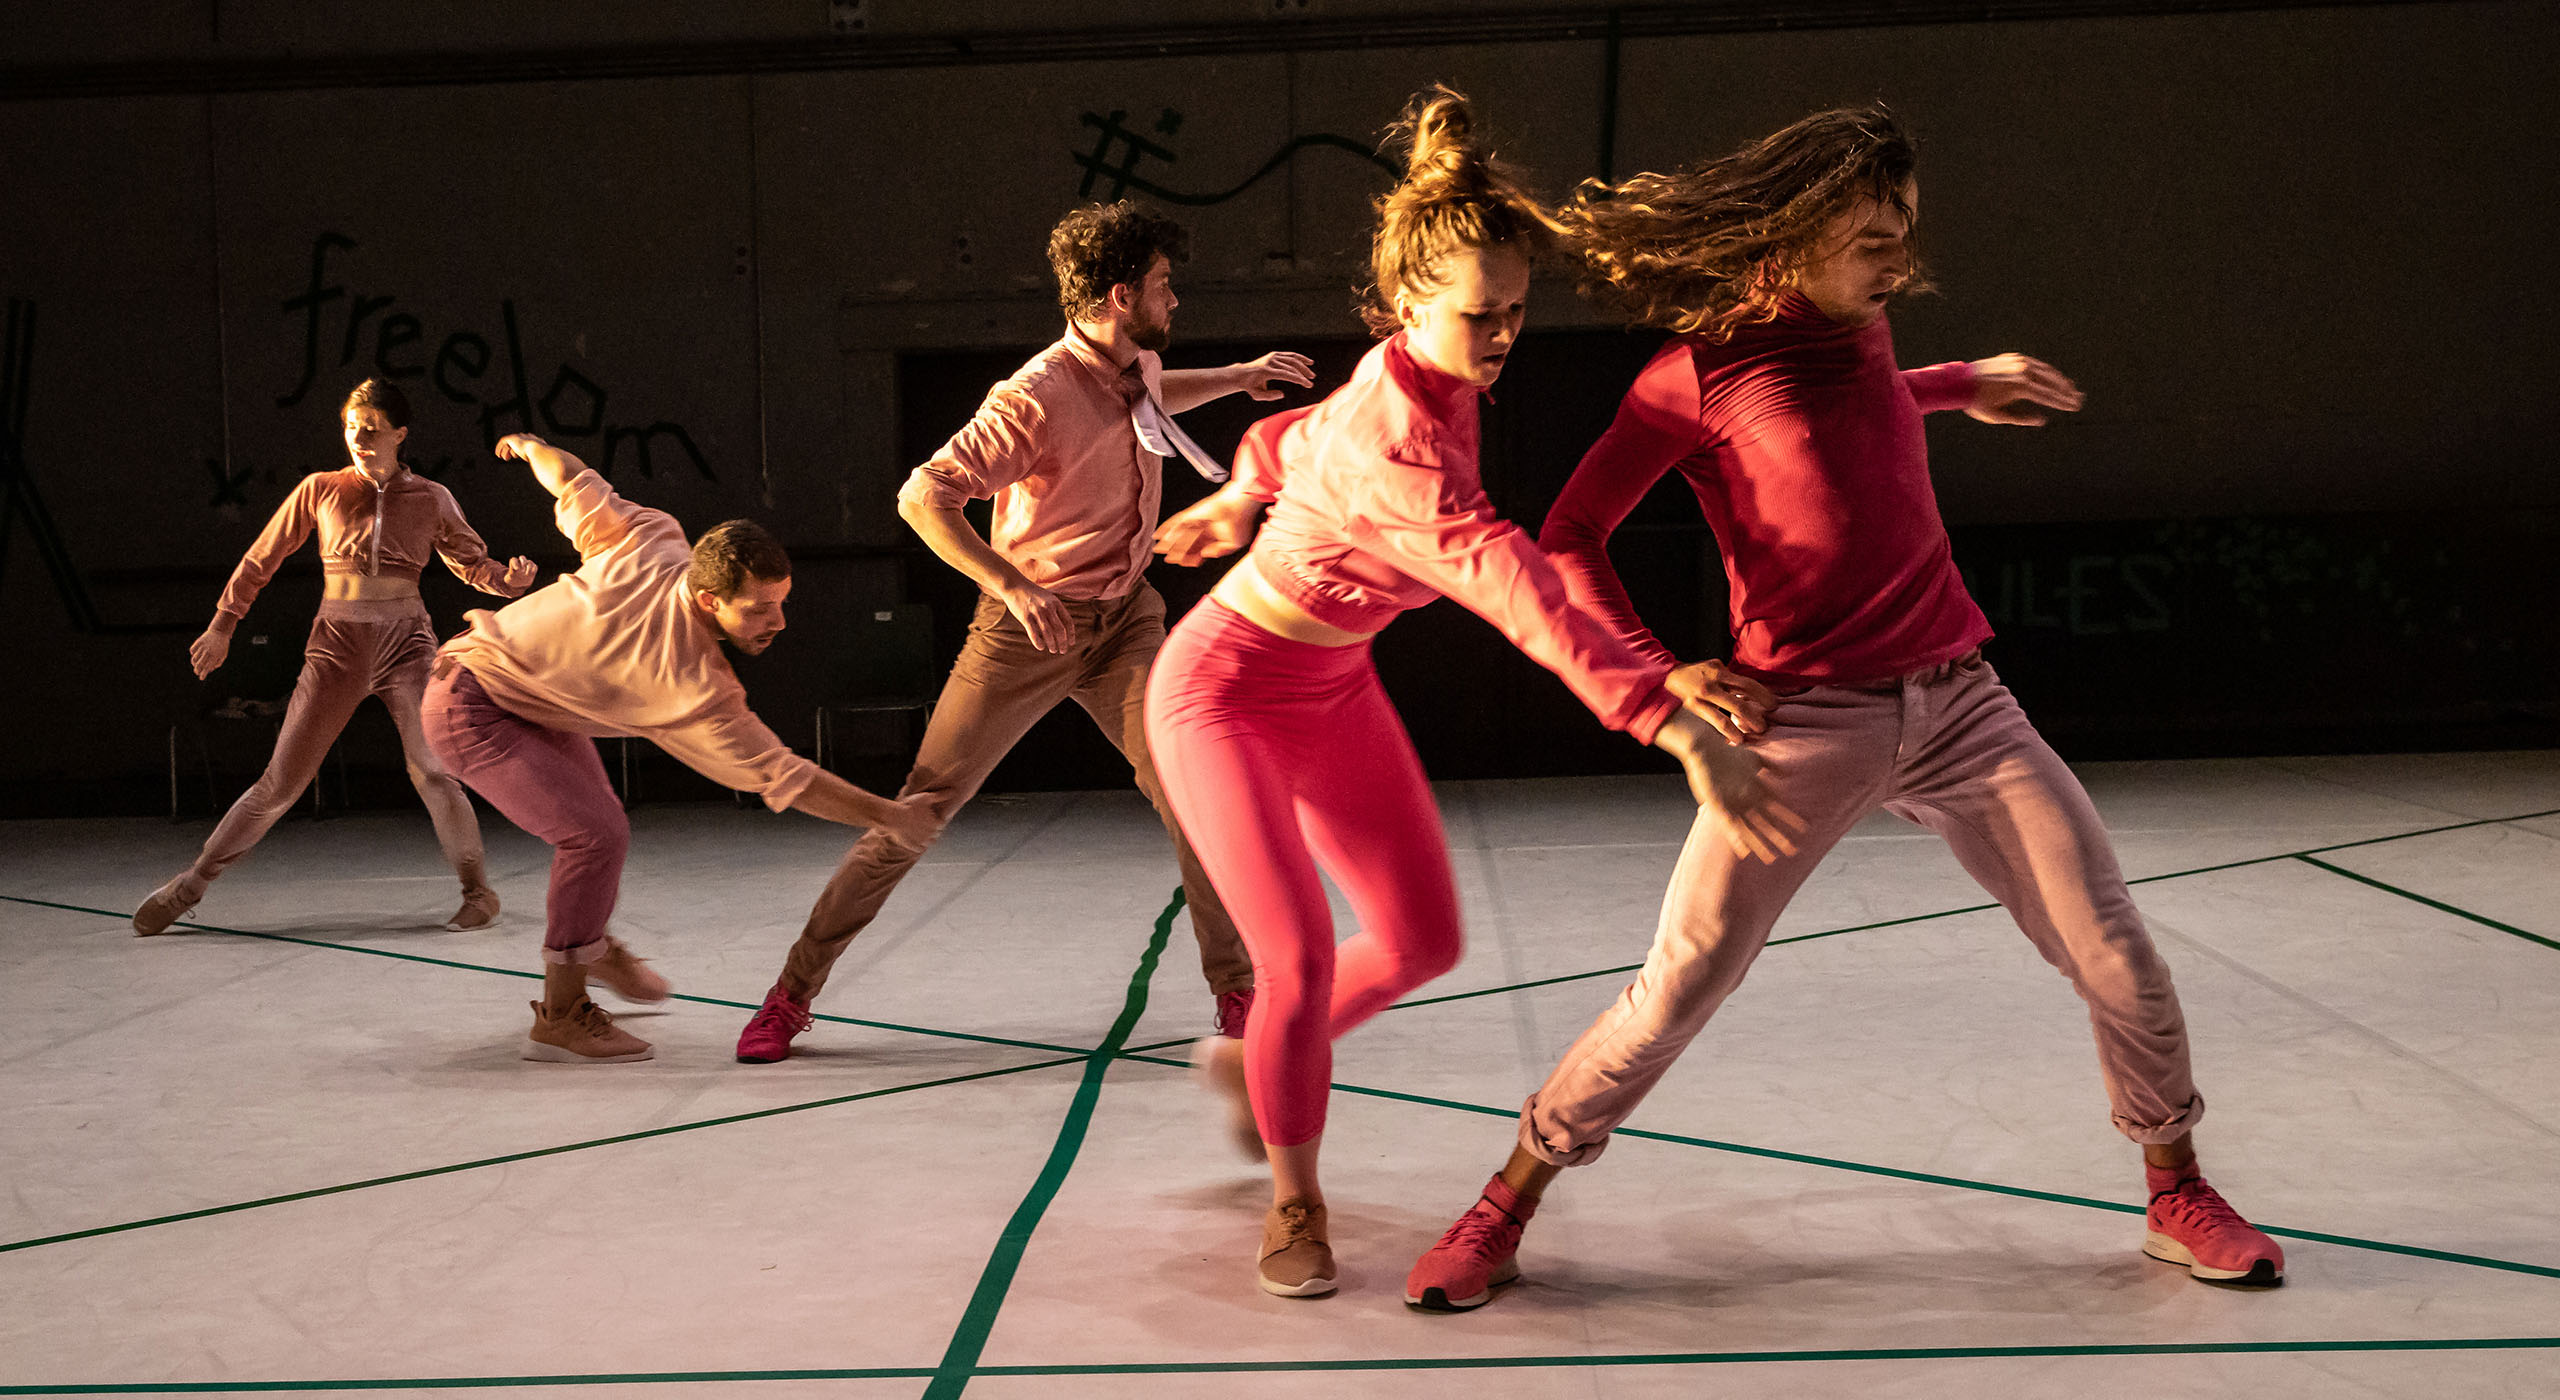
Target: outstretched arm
[[467, 555], [2012, 389], [286, 530], [1186, 389], [551, 466], [909, 821]]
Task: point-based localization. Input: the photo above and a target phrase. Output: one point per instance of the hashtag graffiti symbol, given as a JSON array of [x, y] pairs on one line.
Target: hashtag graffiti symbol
[[1120, 170]]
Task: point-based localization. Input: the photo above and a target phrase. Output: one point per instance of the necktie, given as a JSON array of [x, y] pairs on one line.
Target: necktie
[[1159, 434]]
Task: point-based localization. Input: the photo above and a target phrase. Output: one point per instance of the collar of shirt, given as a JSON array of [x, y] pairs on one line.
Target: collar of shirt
[[1444, 391], [1129, 382]]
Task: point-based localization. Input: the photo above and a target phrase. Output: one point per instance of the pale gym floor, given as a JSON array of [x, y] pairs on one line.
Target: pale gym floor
[[295, 1150]]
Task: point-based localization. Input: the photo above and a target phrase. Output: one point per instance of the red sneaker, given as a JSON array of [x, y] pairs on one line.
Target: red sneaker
[[767, 1037], [1233, 1007], [1479, 1254], [2189, 1223]]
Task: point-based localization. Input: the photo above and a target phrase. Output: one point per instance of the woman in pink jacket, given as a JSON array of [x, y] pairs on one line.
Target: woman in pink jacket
[[1276, 743], [378, 523]]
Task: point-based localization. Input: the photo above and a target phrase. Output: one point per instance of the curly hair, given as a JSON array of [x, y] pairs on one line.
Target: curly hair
[[1455, 195], [1718, 246], [1101, 246], [382, 396], [730, 553]]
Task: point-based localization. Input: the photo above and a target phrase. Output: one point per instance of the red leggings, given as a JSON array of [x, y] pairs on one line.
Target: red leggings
[[1279, 756]]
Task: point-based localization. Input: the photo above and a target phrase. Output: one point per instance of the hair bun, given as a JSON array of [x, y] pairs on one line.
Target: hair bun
[[1439, 133]]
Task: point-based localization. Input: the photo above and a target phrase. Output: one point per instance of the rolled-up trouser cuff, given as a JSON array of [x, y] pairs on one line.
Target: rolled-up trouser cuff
[[1536, 1145], [581, 955], [2179, 1125]]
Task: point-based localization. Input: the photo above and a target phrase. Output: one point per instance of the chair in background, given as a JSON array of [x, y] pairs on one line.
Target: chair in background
[[889, 670], [250, 692]]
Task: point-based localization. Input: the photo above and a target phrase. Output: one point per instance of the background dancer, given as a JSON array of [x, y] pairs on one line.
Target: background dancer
[[1779, 401], [628, 645], [1278, 746], [378, 523], [1071, 448]]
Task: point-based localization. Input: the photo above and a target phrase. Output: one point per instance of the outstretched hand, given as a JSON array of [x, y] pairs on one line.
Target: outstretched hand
[[520, 574], [1216, 525], [517, 447], [1263, 377], [2013, 388], [910, 822]]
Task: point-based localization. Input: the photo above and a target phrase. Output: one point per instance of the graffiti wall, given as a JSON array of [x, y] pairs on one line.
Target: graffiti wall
[[2293, 289]]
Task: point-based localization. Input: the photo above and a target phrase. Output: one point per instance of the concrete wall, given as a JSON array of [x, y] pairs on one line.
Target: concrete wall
[[2296, 257]]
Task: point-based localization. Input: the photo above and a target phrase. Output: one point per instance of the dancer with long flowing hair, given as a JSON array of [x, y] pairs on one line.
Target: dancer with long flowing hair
[[1857, 652]]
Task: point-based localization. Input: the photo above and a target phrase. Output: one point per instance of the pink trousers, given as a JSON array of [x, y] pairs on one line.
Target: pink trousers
[[550, 783], [379, 647], [1280, 757], [1948, 748]]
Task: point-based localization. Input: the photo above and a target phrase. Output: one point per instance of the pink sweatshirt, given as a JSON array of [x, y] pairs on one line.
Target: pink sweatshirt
[[617, 648], [388, 530], [1802, 442], [1378, 508]]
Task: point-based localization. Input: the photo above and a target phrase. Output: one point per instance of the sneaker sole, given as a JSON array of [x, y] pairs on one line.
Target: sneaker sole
[[540, 1053], [1312, 1288], [2261, 1273], [1436, 1300], [746, 1059], [454, 926]]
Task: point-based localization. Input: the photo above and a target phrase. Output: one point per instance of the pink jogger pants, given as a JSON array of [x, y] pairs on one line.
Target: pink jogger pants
[[1278, 756], [551, 784], [1948, 748]]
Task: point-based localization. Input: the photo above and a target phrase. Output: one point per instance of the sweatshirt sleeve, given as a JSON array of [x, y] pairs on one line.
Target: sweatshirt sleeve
[[1941, 387], [597, 519], [1447, 535], [728, 744], [1259, 472], [1657, 425], [286, 530], [465, 553]]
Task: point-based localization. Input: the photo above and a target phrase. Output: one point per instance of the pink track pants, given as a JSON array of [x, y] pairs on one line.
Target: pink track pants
[[550, 783], [1279, 756]]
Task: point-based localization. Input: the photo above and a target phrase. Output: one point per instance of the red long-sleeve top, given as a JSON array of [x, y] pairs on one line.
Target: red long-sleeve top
[[1802, 441], [1379, 507]]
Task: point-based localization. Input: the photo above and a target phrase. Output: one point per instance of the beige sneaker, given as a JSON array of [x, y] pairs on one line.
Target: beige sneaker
[[1296, 1261], [1219, 1062], [169, 903], [479, 910], [627, 975], [584, 1035]]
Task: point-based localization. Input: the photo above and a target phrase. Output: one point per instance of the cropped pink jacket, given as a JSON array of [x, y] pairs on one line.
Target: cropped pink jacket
[[387, 530]]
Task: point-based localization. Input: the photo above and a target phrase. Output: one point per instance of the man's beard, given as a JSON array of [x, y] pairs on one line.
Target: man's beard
[[1151, 335]]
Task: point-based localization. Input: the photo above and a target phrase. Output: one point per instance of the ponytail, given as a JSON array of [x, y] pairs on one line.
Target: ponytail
[[1455, 195]]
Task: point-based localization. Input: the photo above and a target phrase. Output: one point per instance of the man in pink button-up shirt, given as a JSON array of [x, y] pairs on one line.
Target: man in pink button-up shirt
[[1071, 449]]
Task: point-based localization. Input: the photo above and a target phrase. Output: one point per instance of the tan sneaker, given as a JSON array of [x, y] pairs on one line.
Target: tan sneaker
[[479, 909], [1219, 1062], [1296, 1261], [627, 975], [584, 1035], [169, 903]]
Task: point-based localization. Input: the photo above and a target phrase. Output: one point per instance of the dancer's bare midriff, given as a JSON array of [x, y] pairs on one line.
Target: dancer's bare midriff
[[1249, 595]]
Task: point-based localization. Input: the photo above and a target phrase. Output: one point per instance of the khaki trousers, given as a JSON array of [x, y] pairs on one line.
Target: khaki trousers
[[999, 687]]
